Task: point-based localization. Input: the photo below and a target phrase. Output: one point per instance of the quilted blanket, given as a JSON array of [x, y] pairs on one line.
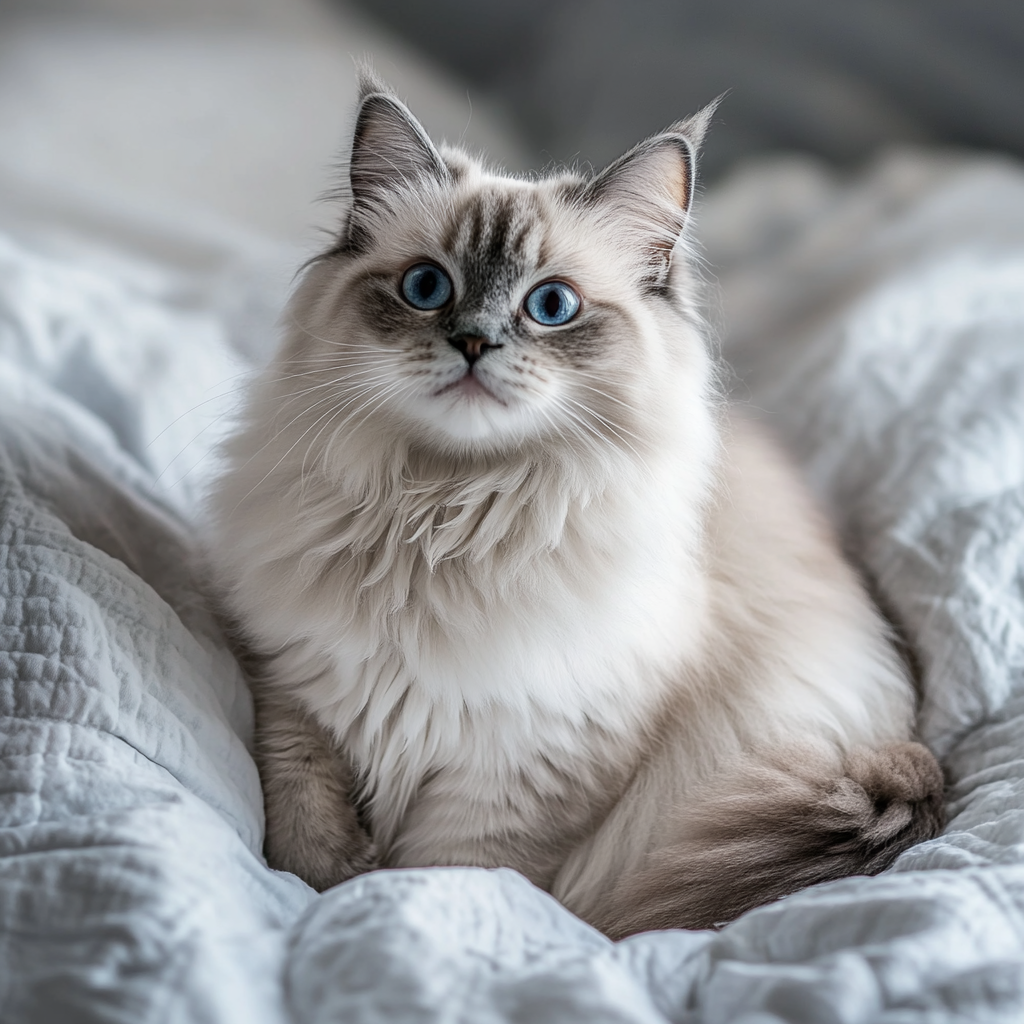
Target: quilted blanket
[[877, 326]]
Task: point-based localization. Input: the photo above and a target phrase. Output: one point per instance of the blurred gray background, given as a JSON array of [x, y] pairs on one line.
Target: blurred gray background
[[586, 78], [237, 111]]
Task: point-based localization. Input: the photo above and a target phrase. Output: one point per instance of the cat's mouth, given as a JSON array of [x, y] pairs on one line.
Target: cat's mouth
[[471, 387]]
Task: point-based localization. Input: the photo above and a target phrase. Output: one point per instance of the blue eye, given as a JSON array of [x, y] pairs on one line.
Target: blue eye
[[426, 286], [552, 304]]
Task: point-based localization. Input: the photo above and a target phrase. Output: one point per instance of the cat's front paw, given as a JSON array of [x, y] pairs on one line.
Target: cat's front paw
[[323, 854], [313, 826]]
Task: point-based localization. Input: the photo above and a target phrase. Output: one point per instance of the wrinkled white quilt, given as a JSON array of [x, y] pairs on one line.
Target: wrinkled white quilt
[[878, 326]]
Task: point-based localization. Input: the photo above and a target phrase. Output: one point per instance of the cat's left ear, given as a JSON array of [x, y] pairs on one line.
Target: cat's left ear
[[649, 190]]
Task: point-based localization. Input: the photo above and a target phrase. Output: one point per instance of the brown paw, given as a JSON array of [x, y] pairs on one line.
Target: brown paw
[[325, 860], [905, 785]]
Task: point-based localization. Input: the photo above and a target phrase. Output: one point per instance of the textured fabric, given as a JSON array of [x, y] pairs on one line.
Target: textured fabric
[[877, 326]]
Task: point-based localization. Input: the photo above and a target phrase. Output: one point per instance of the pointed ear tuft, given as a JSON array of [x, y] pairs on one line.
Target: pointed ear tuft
[[650, 189], [369, 82], [696, 126], [390, 151]]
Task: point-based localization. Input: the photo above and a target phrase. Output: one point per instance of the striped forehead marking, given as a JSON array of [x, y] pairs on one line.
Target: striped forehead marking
[[489, 239]]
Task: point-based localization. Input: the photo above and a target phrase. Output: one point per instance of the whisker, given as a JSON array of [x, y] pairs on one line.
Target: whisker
[[199, 405], [611, 426], [291, 448], [329, 341], [337, 381], [604, 394], [396, 389], [277, 433], [618, 427], [188, 445]]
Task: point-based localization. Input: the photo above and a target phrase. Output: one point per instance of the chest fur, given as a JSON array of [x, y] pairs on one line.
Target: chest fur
[[492, 667], [499, 721], [515, 714]]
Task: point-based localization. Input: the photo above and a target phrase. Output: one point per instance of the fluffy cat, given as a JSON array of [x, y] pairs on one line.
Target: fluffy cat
[[520, 588]]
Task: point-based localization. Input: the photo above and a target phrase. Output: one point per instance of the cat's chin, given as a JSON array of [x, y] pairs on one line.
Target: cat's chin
[[469, 415]]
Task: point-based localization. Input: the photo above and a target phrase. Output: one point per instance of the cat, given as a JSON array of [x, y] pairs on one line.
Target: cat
[[521, 588]]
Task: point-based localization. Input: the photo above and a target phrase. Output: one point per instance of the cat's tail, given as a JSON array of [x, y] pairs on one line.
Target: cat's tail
[[785, 830]]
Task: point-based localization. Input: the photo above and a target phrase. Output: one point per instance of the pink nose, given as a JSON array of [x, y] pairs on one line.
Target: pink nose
[[472, 346]]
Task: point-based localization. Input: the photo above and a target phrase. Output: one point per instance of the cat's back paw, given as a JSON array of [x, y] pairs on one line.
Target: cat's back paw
[[900, 790], [780, 828]]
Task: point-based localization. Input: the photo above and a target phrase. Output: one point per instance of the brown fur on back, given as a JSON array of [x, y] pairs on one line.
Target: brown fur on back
[[786, 832]]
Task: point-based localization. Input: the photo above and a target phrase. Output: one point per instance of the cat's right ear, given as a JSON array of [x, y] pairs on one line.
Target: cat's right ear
[[390, 152]]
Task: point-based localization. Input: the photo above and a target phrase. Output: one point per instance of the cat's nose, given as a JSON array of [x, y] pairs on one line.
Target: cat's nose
[[472, 346]]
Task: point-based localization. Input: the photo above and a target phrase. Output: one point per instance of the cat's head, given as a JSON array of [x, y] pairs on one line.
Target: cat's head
[[468, 311]]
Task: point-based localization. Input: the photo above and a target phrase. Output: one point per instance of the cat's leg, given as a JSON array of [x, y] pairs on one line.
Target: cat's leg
[[313, 829], [766, 829]]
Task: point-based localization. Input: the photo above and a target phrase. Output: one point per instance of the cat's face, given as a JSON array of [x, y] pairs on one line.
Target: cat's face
[[478, 312]]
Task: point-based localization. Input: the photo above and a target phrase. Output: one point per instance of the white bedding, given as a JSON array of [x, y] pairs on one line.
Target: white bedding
[[878, 326]]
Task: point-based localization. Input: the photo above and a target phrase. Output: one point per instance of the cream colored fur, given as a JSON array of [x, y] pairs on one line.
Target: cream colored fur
[[544, 623]]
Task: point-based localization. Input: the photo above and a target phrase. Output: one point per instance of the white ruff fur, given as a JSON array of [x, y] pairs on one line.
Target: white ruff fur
[[538, 614]]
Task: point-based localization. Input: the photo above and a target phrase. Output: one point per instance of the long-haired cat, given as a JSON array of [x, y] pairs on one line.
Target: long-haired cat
[[521, 589]]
